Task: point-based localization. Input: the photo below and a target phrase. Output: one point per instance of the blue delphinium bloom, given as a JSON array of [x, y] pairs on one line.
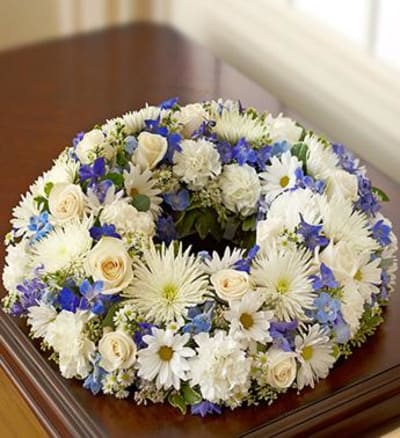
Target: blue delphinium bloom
[[178, 201], [30, 293], [40, 225], [153, 125], [130, 144], [77, 139], [205, 408], [94, 172], [367, 201], [93, 381], [381, 232], [97, 233], [225, 151], [326, 279], [346, 158], [204, 255], [68, 300], [283, 334], [200, 319], [166, 231], [100, 189], [280, 148], [169, 103], [308, 182], [92, 298], [174, 140], [341, 329], [243, 153], [311, 235], [327, 308], [144, 328], [244, 263], [263, 156]]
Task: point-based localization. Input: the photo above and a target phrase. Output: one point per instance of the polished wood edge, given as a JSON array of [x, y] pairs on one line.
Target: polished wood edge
[[350, 404], [55, 407]]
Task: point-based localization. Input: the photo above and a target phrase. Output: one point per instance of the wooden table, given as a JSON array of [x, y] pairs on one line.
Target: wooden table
[[48, 93]]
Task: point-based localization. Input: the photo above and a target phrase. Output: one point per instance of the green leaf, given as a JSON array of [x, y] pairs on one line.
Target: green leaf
[[185, 226], [42, 203], [108, 320], [116, 178], [177, 401], [230, 228], [190, 395], [249, 224], [300, 150], [380, 194], [141, 202], [206, 222], [47, 188]]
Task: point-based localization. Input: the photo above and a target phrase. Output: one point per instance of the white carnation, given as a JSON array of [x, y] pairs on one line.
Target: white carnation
[[283, 128]]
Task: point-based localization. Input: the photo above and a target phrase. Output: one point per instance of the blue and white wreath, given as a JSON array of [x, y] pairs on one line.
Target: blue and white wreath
[[104, 260]]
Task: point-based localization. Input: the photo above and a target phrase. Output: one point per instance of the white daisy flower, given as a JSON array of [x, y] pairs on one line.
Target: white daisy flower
[[221, 367], [39, 318], [217, 263], [321, 160], [93, 205], [141, 183], [283, 278], [280, 175], [197, 163], [165, 358], [22, 213], [64, 247], [232, 126], [248, 322], [367, 275], [315, 354], [166, 283]]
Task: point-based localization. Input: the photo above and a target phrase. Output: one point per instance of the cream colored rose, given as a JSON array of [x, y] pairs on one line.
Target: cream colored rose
[[342, 184], [66, 201], [110, 263], [282, 368], [229, 284], [93, 145], [341, 259], [150, 150], [118, 351], [191, 117]]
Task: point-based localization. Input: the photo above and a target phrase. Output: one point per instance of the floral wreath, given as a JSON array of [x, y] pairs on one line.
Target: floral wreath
[[104, 258]]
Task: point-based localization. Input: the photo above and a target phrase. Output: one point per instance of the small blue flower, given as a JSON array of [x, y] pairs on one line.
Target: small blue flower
[[367, 201], [225, 152], [130, 144], [93, 381], [341, 329], [92, 298], [153, 125], [169, 103], [178, 201], [311, 235], [40, 225], [97, 233], [77, 139], [283, 334], [325, 280], [204, 255], [30, 292], [166, 231], [68, 300], [94, 172], [143, 330], [244, 264], [243, 153], [205, 408], [308, 182], [280, 148], [174, 140], [381, 232], [346, 158], [100, 189], [263, 156], [327, 308]]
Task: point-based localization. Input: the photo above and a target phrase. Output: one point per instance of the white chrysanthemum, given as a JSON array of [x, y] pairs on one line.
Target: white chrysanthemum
[[321, 160], [233, 125], [39, 318], [110, 128], [280, 175], [65, 170], [283, 128], [342, 223], [214, 107], [134, 121], [315, 355], [16, 267], [221, 368], [197, 163], [141, 183], [165, 358], [190, 118], [352, 307], [63, 247], [66, 335], [301, 201], [248, 322], [283, 278], [166, 284], [26, 208], [217, 263]]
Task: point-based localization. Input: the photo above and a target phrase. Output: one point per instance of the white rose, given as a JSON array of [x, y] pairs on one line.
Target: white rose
[[343, 184], [66, 201], [229, 284], [93, 145], [282, 368], [341, 259], [241, 188], [283, 128], [110, 263], [150, 150], [117, 351], [191, 117]]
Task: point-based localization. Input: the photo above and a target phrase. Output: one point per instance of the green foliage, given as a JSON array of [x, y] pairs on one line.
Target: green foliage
[[108, 321], [177, 401], [300, 150], [190, 396], [47, 188], [380, 194], [116, 178], [141, 202], [42, 203]]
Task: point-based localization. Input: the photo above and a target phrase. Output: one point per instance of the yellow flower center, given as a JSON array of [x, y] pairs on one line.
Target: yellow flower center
[[284, 181], [169, 292], [133, 192], [307, 352], [358, 276], [165, 353], [282, 286], [246, 320]]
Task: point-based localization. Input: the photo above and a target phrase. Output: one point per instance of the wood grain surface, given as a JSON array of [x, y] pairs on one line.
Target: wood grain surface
[[51, 91]]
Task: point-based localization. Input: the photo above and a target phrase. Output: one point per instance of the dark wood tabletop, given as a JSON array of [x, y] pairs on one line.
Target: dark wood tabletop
[[51, 91]]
